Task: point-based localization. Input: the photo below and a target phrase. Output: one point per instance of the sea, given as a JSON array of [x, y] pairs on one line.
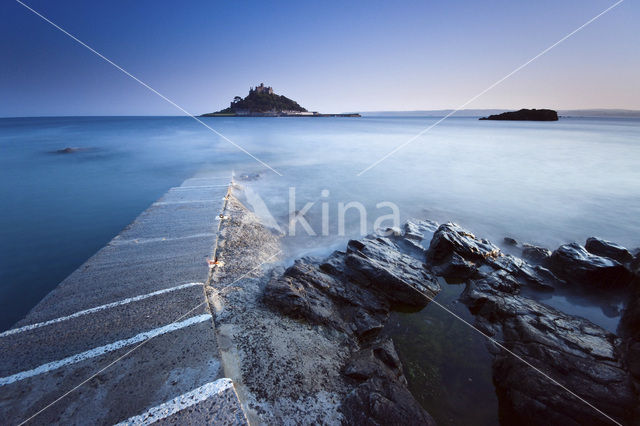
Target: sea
[[544, 183]]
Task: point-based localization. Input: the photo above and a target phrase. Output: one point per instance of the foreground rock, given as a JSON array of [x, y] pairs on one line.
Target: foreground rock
[[352, 293], [457, 255], [581, 356], [575, 264], [608, 249], [525, 115], [536, 255], [528, 335]]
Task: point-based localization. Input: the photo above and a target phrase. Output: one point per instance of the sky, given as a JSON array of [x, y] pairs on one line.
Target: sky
[[328, 56]]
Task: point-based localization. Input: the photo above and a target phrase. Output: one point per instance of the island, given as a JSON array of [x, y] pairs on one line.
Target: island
[[525, 115], [262, 101]]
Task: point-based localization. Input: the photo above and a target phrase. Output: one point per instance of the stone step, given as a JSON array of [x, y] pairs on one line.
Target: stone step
[[128, 330], [43, 343], [165, 245], [118, 384]]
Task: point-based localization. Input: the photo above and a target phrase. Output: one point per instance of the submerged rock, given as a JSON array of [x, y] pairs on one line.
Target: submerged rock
[[608, 249], [68, 150], [575, 264], [510, 241]]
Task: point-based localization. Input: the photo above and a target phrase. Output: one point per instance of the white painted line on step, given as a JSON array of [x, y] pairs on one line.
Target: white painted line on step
[[179, 403], [101, 350], [118, 242], [97, 309]]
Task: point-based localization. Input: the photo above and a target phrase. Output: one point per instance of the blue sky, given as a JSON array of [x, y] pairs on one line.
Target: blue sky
[[329, 56]]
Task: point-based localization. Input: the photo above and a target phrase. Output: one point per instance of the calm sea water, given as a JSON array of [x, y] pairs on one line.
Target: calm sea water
[[544, 183]]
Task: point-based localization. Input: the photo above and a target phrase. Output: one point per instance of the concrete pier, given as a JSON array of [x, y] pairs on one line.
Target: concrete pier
[[128, 337]]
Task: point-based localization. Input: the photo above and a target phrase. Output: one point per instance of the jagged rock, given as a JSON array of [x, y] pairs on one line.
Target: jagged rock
[[457, 254], [456, 269], [352, 292], [398, 277], [450, 238], [381, 402], [574, 263], [536, 276], [304, 292], [379, 360], [583, 356], [608, 249], [539, 255], [316, 292], [510, 241], [577, 353]]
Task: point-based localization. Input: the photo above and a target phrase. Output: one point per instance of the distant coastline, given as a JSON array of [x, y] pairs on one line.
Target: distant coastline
[[595, 113]]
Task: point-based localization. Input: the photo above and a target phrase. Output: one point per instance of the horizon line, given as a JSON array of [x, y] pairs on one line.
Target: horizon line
[[346, 112]]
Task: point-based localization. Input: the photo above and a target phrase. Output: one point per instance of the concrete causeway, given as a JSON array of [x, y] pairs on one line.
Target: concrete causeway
[[128, 337]]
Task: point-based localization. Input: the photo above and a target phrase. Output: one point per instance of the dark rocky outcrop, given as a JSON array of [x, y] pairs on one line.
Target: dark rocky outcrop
[[525, 115], [456, 254], [546, 363], [581, 356], [352, 292], [451, 238], [400, 279], [537, 255], [575, 264], [608, 249], [381, 397], [510, 241]]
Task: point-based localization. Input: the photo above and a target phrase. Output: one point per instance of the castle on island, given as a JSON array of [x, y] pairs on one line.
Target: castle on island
[[262, 89]]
